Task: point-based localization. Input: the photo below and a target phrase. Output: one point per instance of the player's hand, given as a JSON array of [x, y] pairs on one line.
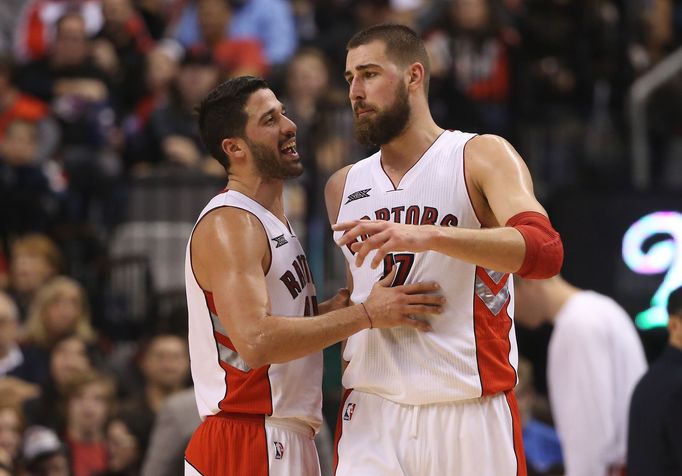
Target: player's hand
[[397, 306], [340, 300], [383, 236]]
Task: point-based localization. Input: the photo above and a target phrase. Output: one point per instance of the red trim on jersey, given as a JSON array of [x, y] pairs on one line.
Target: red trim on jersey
[[492, 341], [245, 392], [229, 444], [521, 469], [209, 302], [339, 427]]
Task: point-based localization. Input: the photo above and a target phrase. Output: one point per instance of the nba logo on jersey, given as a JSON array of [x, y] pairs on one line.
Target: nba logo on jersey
[[348, 414], [279, 450]]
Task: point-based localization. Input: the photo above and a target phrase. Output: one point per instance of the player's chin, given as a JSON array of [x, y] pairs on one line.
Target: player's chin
[[295, 169]]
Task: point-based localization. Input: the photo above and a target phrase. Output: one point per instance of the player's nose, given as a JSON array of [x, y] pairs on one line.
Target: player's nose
[[355, 90]]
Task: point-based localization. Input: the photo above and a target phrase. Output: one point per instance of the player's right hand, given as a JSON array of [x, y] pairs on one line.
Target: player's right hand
[[395, 306]]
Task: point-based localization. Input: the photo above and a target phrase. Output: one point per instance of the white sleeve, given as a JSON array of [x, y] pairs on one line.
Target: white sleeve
[[580, 391]]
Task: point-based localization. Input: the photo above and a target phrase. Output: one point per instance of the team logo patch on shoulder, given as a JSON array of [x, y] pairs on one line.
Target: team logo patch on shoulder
[[279, 450], [358, 195], [348, 414], [280, 240]]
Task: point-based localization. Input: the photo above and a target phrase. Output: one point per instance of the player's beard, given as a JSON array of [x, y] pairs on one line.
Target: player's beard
[[270, 165], [387, 124]]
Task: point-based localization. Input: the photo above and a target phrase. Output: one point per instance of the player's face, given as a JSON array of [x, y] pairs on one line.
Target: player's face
[[378, 94], [271, 137]]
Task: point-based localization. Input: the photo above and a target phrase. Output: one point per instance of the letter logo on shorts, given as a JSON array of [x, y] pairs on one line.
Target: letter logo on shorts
[[279, 450], [348, 414]]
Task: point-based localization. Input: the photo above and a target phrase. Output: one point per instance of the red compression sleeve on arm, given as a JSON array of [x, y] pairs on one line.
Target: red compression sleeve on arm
[[544, 250]]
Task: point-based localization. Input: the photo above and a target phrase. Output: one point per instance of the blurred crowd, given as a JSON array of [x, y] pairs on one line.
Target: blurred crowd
[[97, 101]]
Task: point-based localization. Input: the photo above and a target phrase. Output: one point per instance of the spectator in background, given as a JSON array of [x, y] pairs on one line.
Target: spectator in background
[[34, 260], [175, 422], [155, 14], [595, 358], [234, 56], [120, 48], [78, 91], [655, 426], [269, 21], [14, 104], [44, 453], [11, 429], [89, 402], [37, 24], [59, 309], [127, 438], [68, 358], [161, 69], [324, 135], [172, 127], [27, 203], [470, 68], [164, 365], [16, 362]]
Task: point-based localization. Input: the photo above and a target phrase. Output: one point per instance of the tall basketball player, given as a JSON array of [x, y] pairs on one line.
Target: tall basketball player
[[439, 205], [254, 338]]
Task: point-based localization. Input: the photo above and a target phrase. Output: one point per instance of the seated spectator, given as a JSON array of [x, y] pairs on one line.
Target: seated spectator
[[44, 453], [15, 361], [89, 399], [27, 203], [164, 368], [16, 105], [34, 260], [161, 68], [37, 23], [470, 70], [69, 357], [78, 92], [127, 439], [11, 430], [269, 21], [59, 309], [176, 421], [120, 48], [172, 127], [234, 56]]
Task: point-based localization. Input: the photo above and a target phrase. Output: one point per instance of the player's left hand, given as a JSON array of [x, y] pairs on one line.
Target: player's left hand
[[383, 236], [340, 300]]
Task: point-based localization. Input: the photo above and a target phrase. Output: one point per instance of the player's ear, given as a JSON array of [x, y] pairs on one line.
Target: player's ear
[[233, 147], [416, 76]]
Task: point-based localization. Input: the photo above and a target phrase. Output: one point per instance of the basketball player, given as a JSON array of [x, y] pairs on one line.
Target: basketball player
[[446, 206], [258, 373]]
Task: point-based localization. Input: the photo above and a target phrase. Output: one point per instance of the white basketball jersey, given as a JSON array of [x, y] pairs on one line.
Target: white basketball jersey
[[222, 380], [472, 349]]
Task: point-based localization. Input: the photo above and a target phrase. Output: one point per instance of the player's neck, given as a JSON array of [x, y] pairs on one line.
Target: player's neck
[[266, 192], [559, 296], [399, 155]]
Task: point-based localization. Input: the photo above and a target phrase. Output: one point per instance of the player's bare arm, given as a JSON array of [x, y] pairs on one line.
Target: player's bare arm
[[333, 192], [230, 257], [501, 189]]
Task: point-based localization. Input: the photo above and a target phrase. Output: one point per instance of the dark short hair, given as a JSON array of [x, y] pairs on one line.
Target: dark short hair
[[675, 303], [222, 115], [403, 45]]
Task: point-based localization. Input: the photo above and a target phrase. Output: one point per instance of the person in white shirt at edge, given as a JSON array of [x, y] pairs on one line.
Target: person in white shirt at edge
[[447, 206], [255, 335], [595, 358]]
